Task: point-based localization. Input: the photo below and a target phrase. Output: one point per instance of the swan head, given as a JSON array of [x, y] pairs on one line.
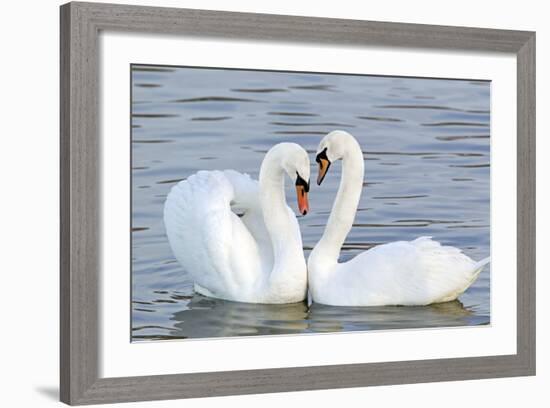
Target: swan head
[[333, 146], [294, 160]]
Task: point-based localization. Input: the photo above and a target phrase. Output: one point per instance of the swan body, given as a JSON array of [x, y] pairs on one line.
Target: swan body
[[407, 273], [256, 257]]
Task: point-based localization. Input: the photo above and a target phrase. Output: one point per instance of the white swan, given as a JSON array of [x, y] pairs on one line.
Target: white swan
[[257, 257], [418, 272]]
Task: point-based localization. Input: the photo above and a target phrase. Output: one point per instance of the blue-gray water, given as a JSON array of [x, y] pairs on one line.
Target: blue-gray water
[[426, 147]]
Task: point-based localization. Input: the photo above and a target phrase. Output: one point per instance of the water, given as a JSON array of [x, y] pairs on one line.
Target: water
[[427, 156]]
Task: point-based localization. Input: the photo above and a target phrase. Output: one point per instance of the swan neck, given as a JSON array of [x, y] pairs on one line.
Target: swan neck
[[278, 220], [345, 206]]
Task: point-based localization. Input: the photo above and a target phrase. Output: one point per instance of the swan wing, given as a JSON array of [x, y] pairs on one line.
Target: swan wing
[[208, 239], [246, 203], [416, 272]]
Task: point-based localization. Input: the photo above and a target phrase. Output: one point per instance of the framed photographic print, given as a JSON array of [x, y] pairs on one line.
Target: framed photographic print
[[328, 190]]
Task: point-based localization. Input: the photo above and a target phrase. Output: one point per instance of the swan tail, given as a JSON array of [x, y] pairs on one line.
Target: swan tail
[[482, 263], [478, 267], [450, 271]]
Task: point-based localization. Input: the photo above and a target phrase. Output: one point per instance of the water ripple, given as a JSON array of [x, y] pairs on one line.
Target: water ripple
[[151, 141], [211, 118], [380, 119], [311, 124], [300, 132], [314, 87], [467, 166], [433, 107], [461, 137], [154, 115], [171, 181], [259, 90], [477, 124], [147, 85], [292, 114], [214, 99]]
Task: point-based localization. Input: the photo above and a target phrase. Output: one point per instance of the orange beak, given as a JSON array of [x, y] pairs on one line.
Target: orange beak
[[324, 164], [303, 203]]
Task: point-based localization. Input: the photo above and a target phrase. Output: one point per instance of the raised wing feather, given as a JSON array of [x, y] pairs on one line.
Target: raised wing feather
[[211, 242]]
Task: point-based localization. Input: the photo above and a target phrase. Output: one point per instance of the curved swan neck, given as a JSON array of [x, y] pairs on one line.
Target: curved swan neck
[[278, 220], [345, 205]]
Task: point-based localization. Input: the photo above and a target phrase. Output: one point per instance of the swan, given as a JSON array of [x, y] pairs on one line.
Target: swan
[[406, 273], [256, 257]]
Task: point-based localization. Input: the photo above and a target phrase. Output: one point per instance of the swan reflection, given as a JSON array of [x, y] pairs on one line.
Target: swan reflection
[[323, 318], [205, 317], [210, 317]]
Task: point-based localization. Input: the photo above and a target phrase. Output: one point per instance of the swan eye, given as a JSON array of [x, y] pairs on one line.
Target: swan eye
[[301, 182], [321, 156]]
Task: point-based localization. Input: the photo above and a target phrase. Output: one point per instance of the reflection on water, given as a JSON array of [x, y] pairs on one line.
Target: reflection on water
[[427, 155], [207, 317]]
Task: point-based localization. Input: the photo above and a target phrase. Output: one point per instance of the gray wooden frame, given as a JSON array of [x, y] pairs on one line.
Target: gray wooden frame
[[80, 234]]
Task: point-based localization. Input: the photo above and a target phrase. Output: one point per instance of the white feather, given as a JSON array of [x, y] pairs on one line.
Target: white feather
[[230, 256], [417, 272]]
